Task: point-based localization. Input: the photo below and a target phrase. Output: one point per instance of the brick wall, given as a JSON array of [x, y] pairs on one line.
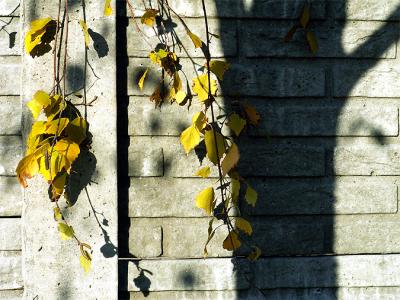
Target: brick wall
[[325, 160], [11, 283]]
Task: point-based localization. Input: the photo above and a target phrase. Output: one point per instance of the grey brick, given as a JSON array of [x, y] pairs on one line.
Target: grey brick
[[259, 158], [353, 118], [10, 154], [11, 197], [327, 196], [11, 294], [363, 293], [181, 237], [367, 160], [224, 47], [370, 10], [165, 197], [10, 110], [145, 241], [276, 9], [362, 79], [9, 8], [9, 78], [343, 271], [256, 78], [265, 39], [189, 274], [10, 270], [10, 234], [145, 162], [10, 36]]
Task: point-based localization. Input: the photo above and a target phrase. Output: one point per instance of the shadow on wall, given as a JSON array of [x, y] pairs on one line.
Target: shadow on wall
[[298, 96], [289, 158]]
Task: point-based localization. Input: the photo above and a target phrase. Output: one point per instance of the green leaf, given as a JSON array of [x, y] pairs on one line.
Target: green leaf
[[312, 42], [244, 226], [236, 123], [66, 232], [305, 16], [251, 196]]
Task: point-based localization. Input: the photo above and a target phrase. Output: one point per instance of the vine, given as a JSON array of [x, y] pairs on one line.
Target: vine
[[221, 149], [59, 134]]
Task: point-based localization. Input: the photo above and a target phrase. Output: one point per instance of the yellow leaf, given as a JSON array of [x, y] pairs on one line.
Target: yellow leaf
[[38, 128], [230, 160], [190, 138], [305, 16], [236, 123], [76, 130], [69, 150], [255, 254], [50, 166], [235, 189], [205, 200], [29, 166], [85, 32], [107, 8], [86, 261], [291, 32], [66, 232], [57, 186], [212, 148], [219, 67], [177, 82], [56, 126], [203, 172], [180, 97], [251, 196], [200, 87], [231, 242], [195, 39], [252, 115], [244, 226], [149, 17], [199, 120], [141, 80], [53, 110], [57, 214], [156, 57], [312, 42], [34, 36], [39, 101]]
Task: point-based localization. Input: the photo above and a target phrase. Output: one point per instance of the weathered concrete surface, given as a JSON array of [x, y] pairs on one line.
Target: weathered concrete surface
[[275, 9], [190, 274], [378, 81], [9, 8], [10, 234], [174, 197], [253, 78], [367, 160], [279, 160], [10, 154], [10, 109], [145, 241], [11, 294], [364, 293], [11, 197], [54, 272], [10, 270], [367, 10], [265, 39], [10, 67], [9, 36]]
